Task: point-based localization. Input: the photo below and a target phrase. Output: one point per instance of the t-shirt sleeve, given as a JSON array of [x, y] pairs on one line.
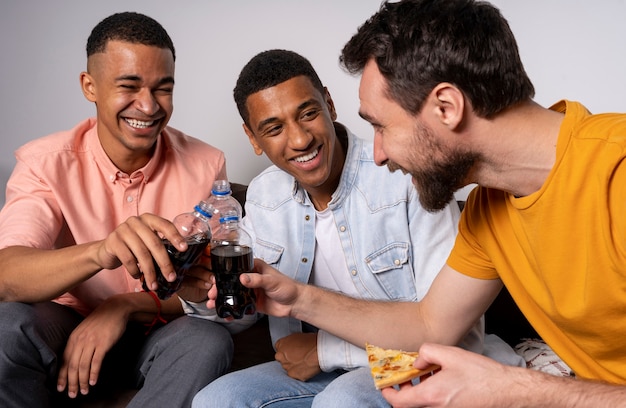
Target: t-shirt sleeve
[[467, 255]]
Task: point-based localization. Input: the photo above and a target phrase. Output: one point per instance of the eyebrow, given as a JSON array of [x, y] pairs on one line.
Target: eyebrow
[[366, 117], [300, 107]]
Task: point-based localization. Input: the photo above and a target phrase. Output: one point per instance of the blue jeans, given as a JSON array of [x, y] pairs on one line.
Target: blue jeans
[[268, 385]]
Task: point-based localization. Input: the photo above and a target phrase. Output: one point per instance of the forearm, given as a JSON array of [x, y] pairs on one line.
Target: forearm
[[34, 275], [536, 389], [171, 308], [141, 307], [359, 321]]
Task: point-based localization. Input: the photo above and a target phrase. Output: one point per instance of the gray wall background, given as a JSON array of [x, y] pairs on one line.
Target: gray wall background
[[571, 48]]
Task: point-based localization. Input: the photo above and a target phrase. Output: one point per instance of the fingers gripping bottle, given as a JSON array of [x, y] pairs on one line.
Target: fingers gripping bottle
[[194, 227], [231, 255], [222, 201]]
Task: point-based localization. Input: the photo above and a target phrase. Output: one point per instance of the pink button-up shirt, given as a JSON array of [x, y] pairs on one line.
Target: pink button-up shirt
[[64, 190]]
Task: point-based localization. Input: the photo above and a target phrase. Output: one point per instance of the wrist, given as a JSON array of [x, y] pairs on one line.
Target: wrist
[[158, 318], [122, 304], [544, 388], [306, 303]]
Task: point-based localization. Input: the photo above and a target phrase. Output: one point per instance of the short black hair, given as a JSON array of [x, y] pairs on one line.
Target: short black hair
[[268, 69], [129, 27]]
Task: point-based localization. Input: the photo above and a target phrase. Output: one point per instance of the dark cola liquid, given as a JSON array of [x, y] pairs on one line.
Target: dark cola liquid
[[228, 263], [181, 261]]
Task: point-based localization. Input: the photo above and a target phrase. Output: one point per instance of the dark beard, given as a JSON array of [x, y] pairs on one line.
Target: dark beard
[[437, 185]]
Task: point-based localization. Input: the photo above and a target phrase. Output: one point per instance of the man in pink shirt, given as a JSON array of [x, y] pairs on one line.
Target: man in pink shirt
[[80, 225]]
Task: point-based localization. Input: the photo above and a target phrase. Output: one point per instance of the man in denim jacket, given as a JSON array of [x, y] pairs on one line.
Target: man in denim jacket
[[325, 213]]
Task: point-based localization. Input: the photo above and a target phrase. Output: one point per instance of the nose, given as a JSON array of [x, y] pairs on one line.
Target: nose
[[299, 137], [146, 102], [380, 158]]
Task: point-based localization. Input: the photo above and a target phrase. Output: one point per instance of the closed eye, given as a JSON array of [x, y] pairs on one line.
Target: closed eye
[[310, 114], [164, 90], [272, 130]]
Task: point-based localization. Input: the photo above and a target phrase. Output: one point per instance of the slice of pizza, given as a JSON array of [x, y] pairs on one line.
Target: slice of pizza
[[390, 367]]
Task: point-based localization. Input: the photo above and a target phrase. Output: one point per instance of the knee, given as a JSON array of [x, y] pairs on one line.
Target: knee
[[335, 397], [354, 388], [200, 335], [18, 343], [217, 394], [14, 314], [329, 397], [205, 398], [206, 344], [14, 320]]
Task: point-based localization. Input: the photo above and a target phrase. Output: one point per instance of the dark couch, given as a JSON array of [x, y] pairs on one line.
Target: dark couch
[[253, 346]]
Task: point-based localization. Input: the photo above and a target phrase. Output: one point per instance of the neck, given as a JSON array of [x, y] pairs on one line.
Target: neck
[[518, 149], [321, 196], [127, 160]]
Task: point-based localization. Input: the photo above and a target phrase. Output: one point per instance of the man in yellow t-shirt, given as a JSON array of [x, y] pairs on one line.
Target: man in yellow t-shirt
[[450, 103], [560, 250]]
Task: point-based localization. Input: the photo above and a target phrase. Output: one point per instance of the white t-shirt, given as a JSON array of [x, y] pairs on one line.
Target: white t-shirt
[[329, 266]]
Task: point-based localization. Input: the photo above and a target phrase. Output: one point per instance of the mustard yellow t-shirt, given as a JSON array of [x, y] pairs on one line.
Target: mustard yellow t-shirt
[[561, 251]]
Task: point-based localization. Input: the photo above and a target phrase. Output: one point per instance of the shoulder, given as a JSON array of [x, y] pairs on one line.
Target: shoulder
[[186, 144], [379, 180], [377, 185], [372, 175], [194, 155], [71, 141], [271, 187], [585, 126]]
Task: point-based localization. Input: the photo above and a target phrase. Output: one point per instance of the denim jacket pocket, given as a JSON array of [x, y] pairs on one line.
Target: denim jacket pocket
[[392, 256], [268, 252], [392, 268]]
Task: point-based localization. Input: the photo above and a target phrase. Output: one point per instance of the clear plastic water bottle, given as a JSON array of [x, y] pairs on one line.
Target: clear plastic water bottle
[[195, 228], [231, 255], [221, 202]]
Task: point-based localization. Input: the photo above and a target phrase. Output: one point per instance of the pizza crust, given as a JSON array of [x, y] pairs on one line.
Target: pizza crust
[[391, 367]]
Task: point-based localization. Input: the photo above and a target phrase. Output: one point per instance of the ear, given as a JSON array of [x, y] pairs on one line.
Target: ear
[[448, 105], [331, 105], [257, 149], [88, 87]]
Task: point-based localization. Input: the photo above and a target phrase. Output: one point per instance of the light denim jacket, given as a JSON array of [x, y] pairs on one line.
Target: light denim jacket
[[393, 247]]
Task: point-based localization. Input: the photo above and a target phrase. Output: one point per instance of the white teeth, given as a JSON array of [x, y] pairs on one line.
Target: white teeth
[[307, 157], [139, 124]]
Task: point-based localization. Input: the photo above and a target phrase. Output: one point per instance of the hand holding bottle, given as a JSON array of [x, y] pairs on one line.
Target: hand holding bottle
[[135, 243], [194, 227]]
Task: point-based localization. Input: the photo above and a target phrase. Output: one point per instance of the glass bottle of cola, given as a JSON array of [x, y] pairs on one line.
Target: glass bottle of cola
[[231, 255], [195, 228]]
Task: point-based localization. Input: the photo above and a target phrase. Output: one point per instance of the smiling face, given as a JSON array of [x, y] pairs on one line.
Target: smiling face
[[132, 86], [292, 123], [406, 142]]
